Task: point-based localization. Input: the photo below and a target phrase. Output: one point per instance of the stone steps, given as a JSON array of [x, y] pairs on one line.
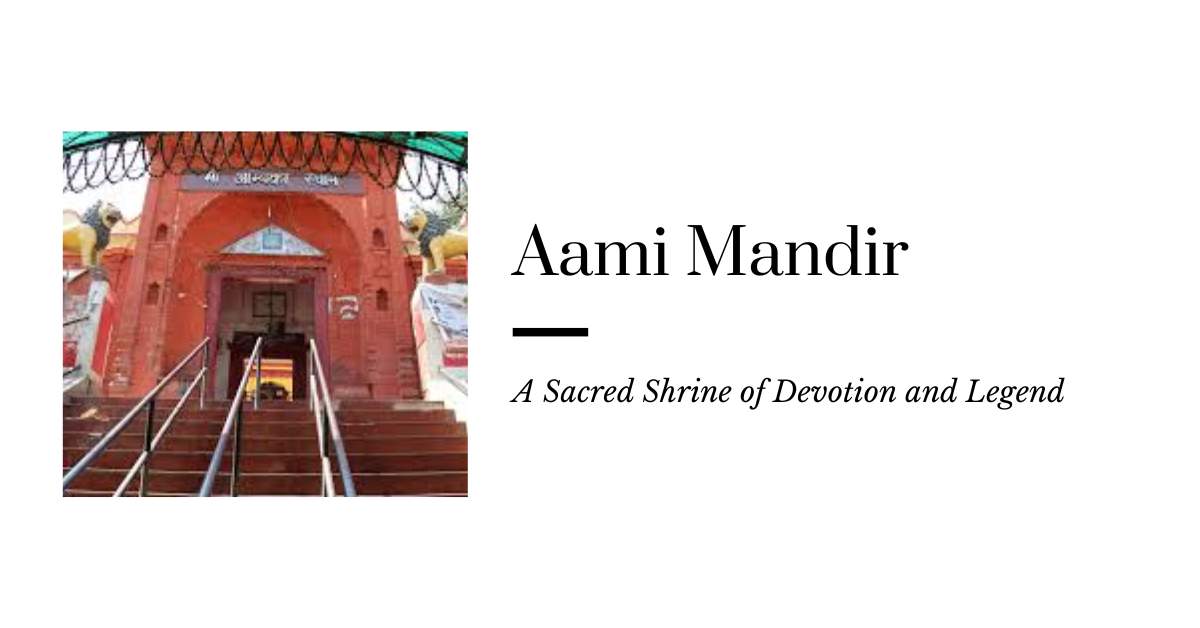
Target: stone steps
[[346, 404], [275, 463], [254, 483], [250, 427], [279, 444], [218, 414], [393, 448]]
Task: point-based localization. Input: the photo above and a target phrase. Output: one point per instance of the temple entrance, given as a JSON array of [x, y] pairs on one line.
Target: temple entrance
[[282, 309], [339, 276]]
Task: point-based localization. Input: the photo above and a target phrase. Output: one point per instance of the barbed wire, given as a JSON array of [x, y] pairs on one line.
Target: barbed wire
[[131, 156]]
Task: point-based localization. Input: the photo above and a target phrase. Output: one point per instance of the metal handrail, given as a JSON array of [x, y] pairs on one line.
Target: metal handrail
[[142, 464], [146, 402], [233, 424], [327, 428]]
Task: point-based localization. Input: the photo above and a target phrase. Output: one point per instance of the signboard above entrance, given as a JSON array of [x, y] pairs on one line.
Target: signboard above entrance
[[269, 180]]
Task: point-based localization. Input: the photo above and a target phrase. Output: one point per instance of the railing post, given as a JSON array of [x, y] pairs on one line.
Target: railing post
[[257, 377], [235, 468], [204, 372], [325, 435], [326, 439], [315, 395], [322, 433], [145, 475], [321, 446]]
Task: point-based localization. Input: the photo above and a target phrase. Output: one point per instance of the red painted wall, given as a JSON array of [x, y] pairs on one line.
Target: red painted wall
[[116, 262], [371, 355]]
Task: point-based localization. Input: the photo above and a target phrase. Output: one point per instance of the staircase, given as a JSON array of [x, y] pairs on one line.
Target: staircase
[[394, 448]]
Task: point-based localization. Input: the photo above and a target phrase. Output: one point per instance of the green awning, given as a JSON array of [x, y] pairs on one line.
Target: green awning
[[449, 146], [431, 164]]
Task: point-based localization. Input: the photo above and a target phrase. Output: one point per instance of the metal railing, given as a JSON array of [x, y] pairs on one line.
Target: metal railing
[[147, 402], [233, 426], [327, 428]]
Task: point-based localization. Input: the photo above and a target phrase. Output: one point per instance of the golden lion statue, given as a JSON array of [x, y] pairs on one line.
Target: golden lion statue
[[90, 235], [439, 242]]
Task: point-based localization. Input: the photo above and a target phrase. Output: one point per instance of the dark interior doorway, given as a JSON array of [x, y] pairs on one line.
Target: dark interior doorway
[[292, 347]]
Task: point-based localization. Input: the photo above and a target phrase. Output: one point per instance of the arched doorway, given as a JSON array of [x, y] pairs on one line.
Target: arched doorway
[[267, 265], [283, 306]]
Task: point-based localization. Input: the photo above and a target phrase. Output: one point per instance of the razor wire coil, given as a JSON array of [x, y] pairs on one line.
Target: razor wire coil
[[132, 156]]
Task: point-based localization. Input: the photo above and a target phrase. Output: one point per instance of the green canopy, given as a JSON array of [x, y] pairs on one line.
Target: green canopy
[[449, 146], [428, 163]]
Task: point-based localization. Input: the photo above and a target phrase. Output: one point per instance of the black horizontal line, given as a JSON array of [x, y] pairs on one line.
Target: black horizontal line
[[522, 332]]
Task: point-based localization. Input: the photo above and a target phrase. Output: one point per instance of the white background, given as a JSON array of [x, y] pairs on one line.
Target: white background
[[1040, 158]]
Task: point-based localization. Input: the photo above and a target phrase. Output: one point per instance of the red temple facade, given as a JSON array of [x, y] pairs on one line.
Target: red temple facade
[[230, 255]]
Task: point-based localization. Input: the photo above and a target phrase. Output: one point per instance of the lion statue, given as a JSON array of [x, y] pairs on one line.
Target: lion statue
[[439, 242], [89, 237]]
